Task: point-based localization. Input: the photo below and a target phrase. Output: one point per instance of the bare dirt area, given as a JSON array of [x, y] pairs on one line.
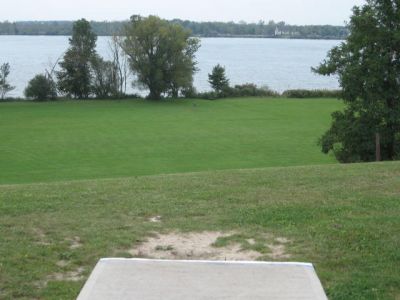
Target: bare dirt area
[[75, 275], [41, 237], [74, 242], [72, 276], [202, 246]]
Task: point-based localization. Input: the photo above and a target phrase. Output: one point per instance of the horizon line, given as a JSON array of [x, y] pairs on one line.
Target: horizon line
[[195, 21]]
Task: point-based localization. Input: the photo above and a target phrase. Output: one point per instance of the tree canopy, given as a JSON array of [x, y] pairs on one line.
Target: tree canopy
[[75, 76], [161, 55], [368, 67], [41, 88]]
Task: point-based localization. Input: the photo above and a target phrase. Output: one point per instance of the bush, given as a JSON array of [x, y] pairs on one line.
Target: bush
[[208, 95], [189, 92], [41, 88], [243, 90], [251, 90], [133, 96], [312, 94], [105, 79]]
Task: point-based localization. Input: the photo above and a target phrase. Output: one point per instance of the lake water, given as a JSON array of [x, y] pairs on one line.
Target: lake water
[[278, 63]]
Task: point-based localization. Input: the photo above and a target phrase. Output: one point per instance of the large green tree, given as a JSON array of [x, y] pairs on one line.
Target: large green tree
[[75, 76], [368, 67], [161, 55]]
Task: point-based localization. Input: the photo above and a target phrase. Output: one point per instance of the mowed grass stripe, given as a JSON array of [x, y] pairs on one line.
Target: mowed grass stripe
[[43, 142]]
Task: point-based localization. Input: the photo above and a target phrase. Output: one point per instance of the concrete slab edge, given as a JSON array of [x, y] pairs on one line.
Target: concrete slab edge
[[302, 264]]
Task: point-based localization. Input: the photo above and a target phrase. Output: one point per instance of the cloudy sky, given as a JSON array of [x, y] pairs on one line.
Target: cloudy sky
[[334, 12]]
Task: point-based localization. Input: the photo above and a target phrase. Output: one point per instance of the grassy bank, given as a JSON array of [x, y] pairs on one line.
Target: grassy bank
[[42, 142], [343, 218]]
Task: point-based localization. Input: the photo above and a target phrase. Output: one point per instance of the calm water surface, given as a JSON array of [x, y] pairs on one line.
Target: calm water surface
[[277, 63]]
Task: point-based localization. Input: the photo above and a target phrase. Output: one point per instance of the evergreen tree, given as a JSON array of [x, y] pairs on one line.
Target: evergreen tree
[[218, 80]]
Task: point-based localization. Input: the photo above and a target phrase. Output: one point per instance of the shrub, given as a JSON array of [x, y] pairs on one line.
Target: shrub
[[105, 80], [312, 93], [208, 95], [242, 90], [41, 88], [252, 90], [189, 92]]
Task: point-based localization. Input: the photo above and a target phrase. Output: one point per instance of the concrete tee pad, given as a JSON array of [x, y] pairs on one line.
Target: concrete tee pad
[[128, 279]]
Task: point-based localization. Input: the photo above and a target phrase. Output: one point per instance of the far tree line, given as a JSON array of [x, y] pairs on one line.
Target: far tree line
[[261, 29]]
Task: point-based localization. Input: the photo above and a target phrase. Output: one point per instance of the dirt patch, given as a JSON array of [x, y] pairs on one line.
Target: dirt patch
[[41, 237], [75, 243], [68, 276], [251, 241], [278, 248], [282, 240], [156, 219], [62, 263], [74, 276], [192, 246], [278, 252]]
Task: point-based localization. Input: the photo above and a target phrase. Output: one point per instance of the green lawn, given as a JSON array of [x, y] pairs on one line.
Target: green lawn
[[343, 218], [42, 142], [73, 190]]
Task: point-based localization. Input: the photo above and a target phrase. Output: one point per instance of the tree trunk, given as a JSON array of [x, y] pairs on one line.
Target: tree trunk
[[378, 147], [391, 145], [154, 95]]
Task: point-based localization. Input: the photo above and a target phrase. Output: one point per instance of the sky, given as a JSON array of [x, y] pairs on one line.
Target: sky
[[333, 12]]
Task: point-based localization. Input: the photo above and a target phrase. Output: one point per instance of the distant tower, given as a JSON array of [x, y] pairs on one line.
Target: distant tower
[[277, 31]]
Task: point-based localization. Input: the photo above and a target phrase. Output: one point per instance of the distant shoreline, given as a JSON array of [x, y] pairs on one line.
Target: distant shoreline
[[270, 30], [203, 37]]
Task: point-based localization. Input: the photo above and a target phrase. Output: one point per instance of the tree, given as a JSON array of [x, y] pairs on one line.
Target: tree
[[75, 76], [218, 80], [105, 82], [161, 55], [5, 87], [120, 62], [368, 67], [41, 88]]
